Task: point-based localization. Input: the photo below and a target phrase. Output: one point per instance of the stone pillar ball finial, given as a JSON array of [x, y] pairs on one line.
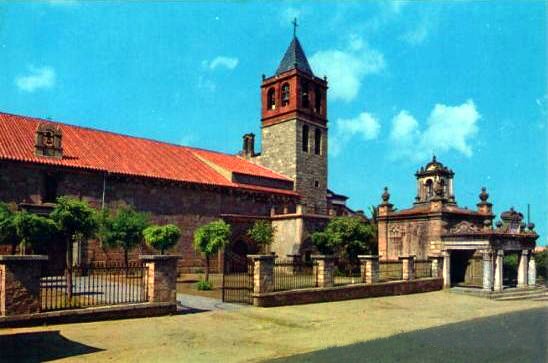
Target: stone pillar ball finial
[[385, 195], [531, 226], [483, 196]]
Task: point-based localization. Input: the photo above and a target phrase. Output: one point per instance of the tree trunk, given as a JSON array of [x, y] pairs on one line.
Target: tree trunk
[[207, 268], [68, 270], [22, 248]]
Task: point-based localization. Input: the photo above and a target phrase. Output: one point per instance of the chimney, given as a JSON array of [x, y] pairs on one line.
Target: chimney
[[249, 146]]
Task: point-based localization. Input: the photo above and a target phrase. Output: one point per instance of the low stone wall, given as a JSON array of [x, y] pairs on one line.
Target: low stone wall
[[358, 291], [127, 311]]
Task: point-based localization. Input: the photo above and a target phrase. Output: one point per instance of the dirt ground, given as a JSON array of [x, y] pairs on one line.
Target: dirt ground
[[422, 327]]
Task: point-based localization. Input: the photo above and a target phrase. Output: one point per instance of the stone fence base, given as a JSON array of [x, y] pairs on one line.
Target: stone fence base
[[315, 295], [98, 313]]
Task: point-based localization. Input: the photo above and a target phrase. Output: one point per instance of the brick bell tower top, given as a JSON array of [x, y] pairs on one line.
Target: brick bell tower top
[[294, 127], [294, 91]]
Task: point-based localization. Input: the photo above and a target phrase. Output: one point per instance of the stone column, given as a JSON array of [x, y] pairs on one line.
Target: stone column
[[20, 284], [408, 267], [161, 277], [446, 269], [437, 262], [523, 267], [325, 268], [263, 273], [532, 273], [499, 260], [369, 266], [487, 270]]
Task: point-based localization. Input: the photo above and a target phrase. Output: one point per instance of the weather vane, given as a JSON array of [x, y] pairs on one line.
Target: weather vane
[[295, 25]]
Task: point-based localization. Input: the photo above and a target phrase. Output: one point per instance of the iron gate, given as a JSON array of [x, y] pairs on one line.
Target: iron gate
[[237, 282]]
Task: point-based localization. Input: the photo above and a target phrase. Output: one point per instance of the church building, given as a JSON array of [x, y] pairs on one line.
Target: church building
[[285, 183]]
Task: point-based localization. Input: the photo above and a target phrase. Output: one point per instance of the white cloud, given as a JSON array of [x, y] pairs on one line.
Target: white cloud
[[288, 15], [347, 68], [38, 78], [223, 62], [448, 128], [365, 126], [418, 35]]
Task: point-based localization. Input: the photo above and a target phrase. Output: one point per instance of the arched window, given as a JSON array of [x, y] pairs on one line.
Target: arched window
[[271, 99], [305, 138], [285, 94], [318, 99], [318, 141], [429, 189], [443, 186], [304, 94]]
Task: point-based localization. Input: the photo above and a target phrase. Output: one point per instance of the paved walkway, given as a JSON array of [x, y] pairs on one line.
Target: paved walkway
[[196, 304]]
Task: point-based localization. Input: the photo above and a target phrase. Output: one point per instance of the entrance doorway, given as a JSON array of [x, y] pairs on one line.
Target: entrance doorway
[[466, 269], [510, 268]]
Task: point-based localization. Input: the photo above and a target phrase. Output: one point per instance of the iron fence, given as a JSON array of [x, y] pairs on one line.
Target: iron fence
[[348, 277], [237, 287], [390, 270], [94, 286], [423, 269], [290, 275]]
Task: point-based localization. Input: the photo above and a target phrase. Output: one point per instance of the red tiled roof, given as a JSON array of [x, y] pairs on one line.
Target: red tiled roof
[[105, 151]]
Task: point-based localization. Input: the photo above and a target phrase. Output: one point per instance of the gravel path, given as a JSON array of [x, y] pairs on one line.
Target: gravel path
[[195, 304]]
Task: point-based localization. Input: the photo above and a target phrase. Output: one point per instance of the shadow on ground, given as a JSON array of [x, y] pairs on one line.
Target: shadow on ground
[[40, 347], [514, 337]]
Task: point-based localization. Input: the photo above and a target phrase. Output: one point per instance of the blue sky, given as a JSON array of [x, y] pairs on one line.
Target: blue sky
[[465, 80]]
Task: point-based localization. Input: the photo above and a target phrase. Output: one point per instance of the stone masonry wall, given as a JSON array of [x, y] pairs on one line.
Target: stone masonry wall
[[187, 206]]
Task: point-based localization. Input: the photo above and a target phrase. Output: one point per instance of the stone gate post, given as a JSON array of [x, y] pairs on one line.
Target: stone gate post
[[408, 267], [369, 266], [446, 269], [263, 273], [161, 277], [325, 269], [20, 284], [437, 262]]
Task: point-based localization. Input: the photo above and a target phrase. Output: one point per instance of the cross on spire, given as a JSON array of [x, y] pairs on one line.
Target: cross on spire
[[295, 25]]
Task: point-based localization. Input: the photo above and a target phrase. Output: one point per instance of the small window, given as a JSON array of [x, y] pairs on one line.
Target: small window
[[429, 189], [304, 95], [318, 99], [316, 184], [271, 99], [305, 138], [285, 94], [50, 189], [318, 141]]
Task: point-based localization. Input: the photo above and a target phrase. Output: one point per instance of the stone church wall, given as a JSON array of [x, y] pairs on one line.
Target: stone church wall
[[184, 205]]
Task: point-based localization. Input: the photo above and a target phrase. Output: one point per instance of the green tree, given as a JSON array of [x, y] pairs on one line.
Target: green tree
[[162, 237], [32, 229], [262, 232], [210, 238], [76, 222], [347, 237], [8, 232], [122, 228], [541, 260]]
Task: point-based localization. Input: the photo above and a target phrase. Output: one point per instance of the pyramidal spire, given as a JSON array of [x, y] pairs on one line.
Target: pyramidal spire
[[294, 57]]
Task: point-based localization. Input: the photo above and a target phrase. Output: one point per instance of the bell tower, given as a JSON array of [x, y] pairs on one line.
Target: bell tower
[[294, 126]]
